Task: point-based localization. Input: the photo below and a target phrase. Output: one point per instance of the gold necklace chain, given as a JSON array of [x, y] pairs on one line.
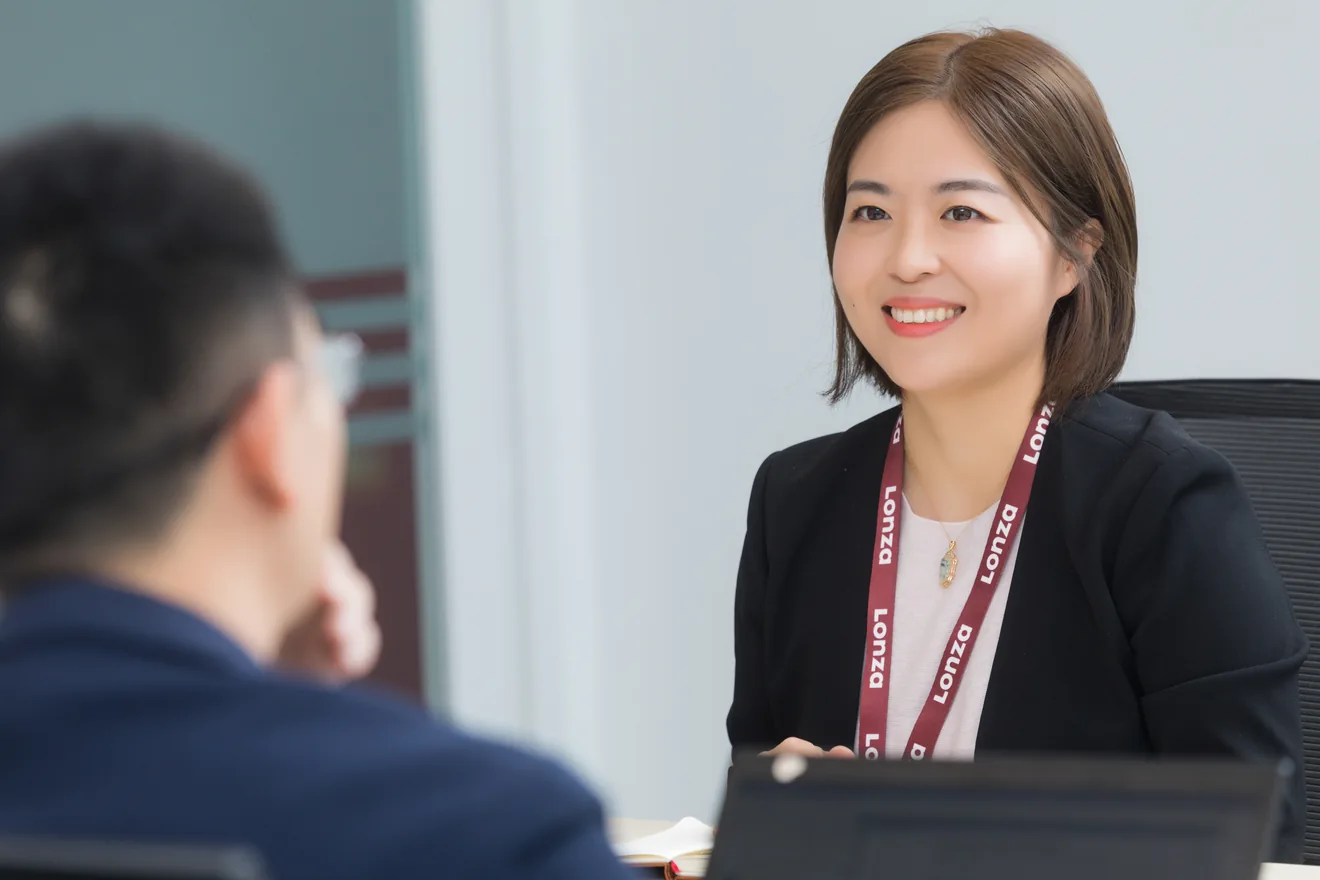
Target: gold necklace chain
[[949, 561]]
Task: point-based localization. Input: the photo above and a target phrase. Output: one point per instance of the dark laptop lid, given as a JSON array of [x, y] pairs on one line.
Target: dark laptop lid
[[995, 818]]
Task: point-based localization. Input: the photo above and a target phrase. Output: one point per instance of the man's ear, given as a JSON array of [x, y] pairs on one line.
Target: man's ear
[[1089, 241], [263, 436]]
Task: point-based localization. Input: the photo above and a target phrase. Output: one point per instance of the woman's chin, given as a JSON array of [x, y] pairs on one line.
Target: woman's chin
[[922, 382]]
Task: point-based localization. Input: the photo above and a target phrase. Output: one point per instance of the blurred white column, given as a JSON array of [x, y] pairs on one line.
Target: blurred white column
[[506, 258]]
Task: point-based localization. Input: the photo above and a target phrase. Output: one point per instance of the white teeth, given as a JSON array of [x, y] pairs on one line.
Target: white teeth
[[925, 316]]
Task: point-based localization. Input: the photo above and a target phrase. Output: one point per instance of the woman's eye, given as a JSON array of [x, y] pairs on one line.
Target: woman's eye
[[870, 213], [962, 214]]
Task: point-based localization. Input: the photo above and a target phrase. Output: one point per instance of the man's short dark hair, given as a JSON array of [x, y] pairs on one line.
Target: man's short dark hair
[[143, 287]]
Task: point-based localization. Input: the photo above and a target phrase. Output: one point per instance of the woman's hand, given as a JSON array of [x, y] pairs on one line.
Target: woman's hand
[[795, 746]]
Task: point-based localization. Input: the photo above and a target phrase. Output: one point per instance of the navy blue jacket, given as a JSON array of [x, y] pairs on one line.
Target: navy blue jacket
[[122, 717]]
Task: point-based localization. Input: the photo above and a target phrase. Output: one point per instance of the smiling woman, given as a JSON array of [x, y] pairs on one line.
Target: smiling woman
[[1114, 594]]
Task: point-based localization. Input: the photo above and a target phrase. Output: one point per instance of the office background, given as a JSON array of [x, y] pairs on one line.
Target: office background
[[605, 218], [315, 97]]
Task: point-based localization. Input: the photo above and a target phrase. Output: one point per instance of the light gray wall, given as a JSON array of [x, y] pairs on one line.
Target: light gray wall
[[306, 92], [633, 309]]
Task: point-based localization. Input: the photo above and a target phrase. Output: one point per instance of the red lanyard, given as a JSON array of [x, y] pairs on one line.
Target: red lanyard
[[884, 587]]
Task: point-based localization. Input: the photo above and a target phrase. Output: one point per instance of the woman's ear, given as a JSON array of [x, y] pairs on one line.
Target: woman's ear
[[1089, 241]]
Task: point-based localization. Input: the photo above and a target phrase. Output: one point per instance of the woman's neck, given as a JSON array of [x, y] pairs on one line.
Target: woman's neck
[[960, 446]]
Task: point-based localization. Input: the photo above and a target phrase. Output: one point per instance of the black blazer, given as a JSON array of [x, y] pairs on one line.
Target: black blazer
[[1145, 615]]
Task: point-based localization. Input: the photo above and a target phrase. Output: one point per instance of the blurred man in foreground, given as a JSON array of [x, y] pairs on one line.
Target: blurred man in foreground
[[172, 445]]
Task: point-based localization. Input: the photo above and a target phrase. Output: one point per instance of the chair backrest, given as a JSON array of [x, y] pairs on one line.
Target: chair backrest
[[1270, 431], [44, 858]]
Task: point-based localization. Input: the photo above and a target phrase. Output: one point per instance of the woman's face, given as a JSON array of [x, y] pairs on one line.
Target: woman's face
[[944, 274]]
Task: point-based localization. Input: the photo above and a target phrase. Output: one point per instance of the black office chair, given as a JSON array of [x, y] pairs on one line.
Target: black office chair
[[1270, 431]]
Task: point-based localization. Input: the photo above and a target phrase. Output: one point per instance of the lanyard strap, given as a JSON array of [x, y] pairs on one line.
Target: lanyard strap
[[874, 713]]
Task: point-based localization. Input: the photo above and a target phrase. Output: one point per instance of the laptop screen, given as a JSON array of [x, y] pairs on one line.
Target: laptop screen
[[995, 819]]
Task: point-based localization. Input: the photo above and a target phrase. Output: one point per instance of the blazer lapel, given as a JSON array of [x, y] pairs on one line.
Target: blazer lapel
[[825, 629], [1034, 573]]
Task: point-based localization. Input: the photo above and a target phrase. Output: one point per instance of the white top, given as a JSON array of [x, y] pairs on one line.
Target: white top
[[925, 615]]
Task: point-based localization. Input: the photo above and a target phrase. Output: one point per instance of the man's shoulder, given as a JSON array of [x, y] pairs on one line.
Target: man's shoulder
[[359, 727], [421, 792]]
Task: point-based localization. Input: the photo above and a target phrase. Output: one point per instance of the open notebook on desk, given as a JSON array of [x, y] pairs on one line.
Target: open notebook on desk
[[682, 848], [1289, 872]]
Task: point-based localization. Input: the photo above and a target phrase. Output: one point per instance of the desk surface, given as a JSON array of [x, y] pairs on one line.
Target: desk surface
[[630, 829]]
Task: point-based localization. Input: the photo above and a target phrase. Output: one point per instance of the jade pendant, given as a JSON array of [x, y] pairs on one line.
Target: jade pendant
[[948, 566]]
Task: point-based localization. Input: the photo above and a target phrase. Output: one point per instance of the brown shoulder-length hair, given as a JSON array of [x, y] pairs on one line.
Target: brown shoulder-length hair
[[1040, 121]]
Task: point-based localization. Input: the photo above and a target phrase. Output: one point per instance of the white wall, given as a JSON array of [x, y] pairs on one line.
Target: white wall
[[633, 309]]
